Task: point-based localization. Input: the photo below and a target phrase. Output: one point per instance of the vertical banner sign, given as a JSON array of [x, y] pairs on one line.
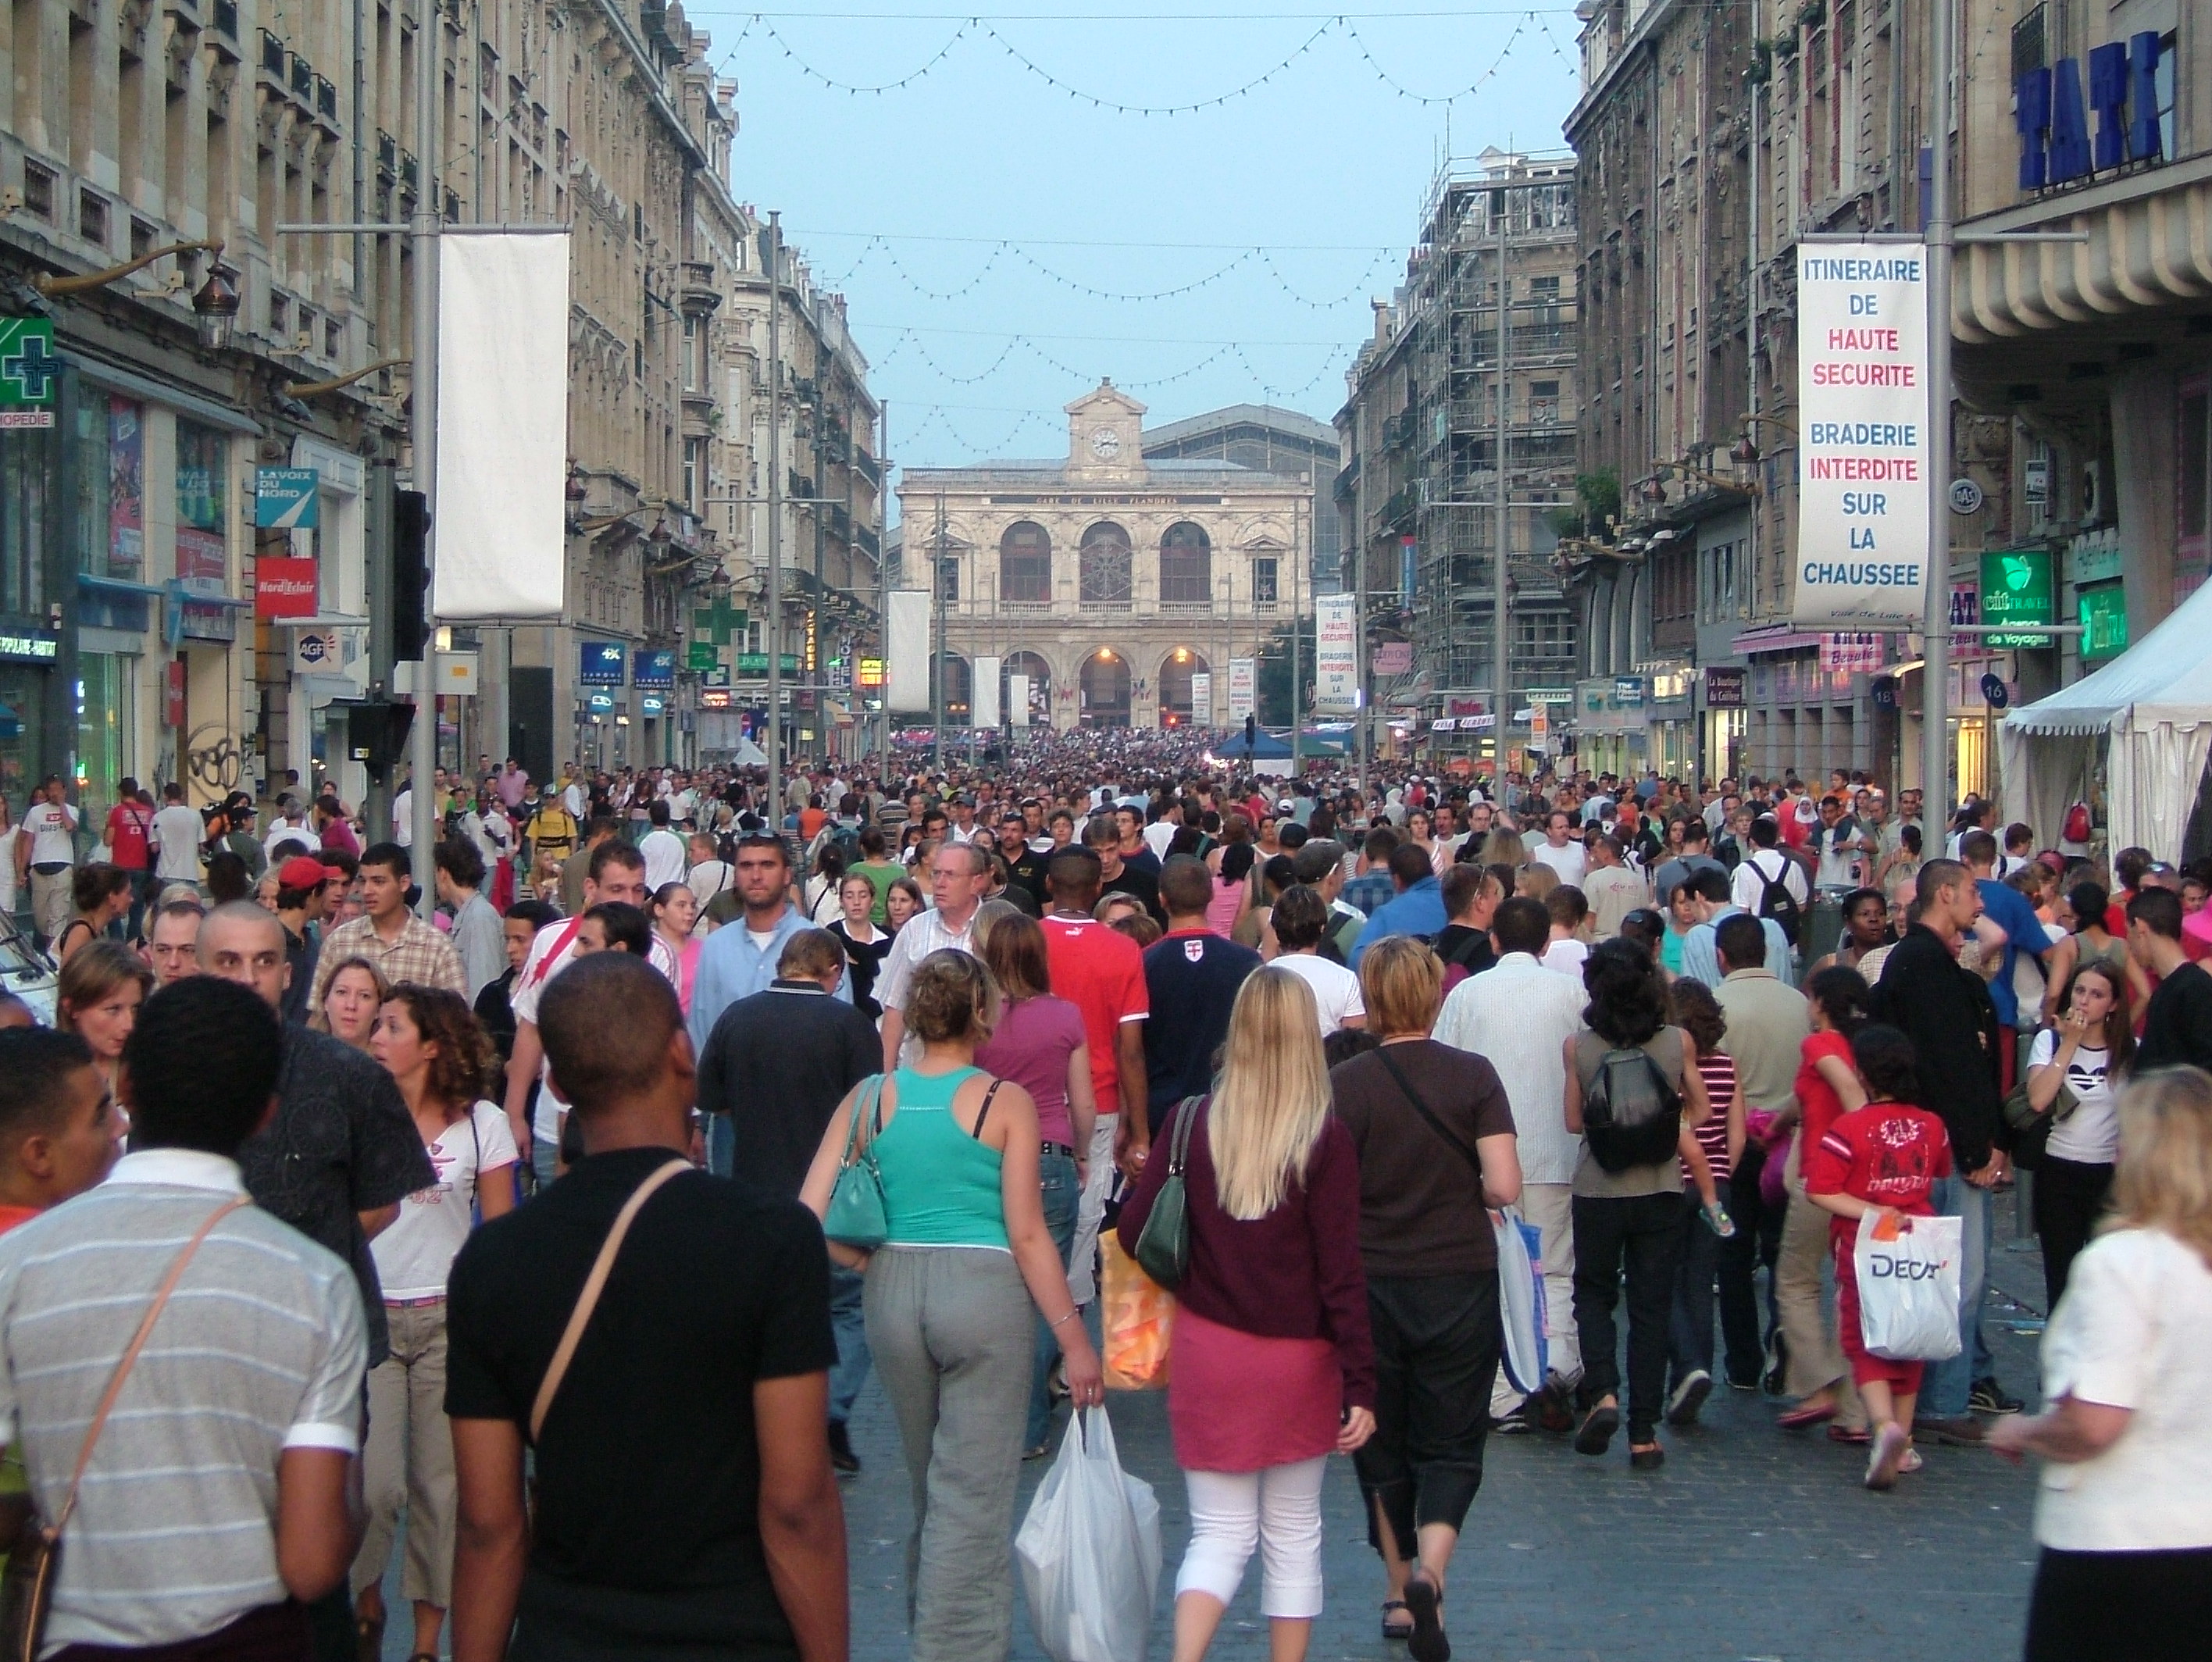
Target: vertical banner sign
[[1336, 658], [499, 543], [908, 685], [1243, 687], [1017, 700], [1862, 394], [986, 680], [1201, 698]]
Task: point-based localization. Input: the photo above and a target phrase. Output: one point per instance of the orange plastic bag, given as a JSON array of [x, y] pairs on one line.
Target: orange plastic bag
[[1138, 1318]]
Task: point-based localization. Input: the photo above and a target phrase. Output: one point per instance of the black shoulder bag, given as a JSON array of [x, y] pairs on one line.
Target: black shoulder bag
[[1420, 1107]]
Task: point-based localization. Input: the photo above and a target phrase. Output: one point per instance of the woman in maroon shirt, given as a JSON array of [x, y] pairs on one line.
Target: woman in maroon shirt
[[1271, 1366]]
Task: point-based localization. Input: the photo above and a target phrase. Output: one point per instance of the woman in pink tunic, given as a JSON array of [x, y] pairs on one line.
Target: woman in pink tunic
[[1272, 1364]]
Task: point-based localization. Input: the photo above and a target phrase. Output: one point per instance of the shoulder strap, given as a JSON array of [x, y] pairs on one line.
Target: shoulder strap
[[131, 1356], [594, 1285], [1383, 1052], [984, 1112], [1179, 1148]]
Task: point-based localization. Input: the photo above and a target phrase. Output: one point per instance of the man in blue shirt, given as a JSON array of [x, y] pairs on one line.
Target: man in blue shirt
[[1192, 977], [1701, 961], [740, 960], [1371, 886], [2011, 911], [1418, 910]]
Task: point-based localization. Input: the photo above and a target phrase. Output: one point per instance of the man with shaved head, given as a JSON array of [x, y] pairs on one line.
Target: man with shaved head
[[343, 1151]]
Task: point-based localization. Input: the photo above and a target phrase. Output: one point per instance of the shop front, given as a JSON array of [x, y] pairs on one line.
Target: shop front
[[1670, 719], [1610, 732], [1720, 698]]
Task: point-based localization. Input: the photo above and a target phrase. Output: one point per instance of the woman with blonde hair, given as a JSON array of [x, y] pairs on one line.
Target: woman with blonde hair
[[2125, 1517], [1272, 1365], [1504, 848], [952, 1296], [1436, 1142]]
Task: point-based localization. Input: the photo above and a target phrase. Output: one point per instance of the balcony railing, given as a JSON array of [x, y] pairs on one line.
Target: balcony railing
[[1091, 605], [1186, 608]]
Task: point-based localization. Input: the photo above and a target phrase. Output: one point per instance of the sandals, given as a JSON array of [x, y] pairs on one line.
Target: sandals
[[1426, 1643], [1391, 1630], [1596, 1436], [1804, 1419], [1649, 1457], [368, 1638]]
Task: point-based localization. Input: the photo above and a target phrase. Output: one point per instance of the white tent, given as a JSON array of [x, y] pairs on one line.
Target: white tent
[[2152, 705]]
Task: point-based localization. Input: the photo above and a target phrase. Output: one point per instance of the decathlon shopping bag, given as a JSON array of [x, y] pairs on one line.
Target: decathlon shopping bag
[[1089, 1550], [1137, 1316], [1908, 1276], [1521, 1298]]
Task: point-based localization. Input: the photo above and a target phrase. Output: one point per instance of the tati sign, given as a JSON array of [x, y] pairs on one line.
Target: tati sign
[[1862, 417], [283, 587]]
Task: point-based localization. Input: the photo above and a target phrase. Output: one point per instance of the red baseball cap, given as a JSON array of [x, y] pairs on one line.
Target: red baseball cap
[[301, 871]]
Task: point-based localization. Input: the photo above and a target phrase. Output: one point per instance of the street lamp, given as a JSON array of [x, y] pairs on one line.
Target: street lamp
[[214, 306]]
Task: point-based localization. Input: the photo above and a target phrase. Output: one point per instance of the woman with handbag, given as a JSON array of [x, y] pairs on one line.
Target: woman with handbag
[[2074, 1071], [928, 1180], [440, 1057], [1437, 1148], [1271, 1365]]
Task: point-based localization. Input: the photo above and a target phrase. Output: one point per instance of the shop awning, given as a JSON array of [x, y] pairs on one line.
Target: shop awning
[[1774, 638], [2166, 676]]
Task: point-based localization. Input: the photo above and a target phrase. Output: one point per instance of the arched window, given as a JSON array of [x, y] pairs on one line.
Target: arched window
[[1105, 688], [1104, 565], [1179, 706], [1025, 564], [959, 687], [1040, 675], [1186, 566]]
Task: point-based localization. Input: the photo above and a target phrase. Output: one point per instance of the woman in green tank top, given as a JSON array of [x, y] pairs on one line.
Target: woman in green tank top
[[951, 1299]]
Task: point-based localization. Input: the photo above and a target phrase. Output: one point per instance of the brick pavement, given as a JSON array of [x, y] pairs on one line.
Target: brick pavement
[[1751, 1544]]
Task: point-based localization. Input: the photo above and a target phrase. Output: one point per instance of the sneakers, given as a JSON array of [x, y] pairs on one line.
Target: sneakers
[[1988, 1397], [843, 1460], [1689, 1397], [1886, 1454]]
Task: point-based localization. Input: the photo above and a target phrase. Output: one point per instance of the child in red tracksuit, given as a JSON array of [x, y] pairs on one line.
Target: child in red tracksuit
[[1884, 1158]]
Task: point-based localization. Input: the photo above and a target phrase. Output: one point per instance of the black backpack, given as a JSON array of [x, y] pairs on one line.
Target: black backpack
[[1776, 901], [1630, 1114]]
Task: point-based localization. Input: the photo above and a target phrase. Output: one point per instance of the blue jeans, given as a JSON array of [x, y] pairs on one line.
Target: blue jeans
[[1059, 1192], [850, 1326], [545, 1160], [722, 1144], [1690, 1332], [1944, 1393]]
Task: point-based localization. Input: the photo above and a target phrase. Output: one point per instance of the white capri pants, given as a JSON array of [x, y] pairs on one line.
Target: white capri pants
[[1277, 1510]]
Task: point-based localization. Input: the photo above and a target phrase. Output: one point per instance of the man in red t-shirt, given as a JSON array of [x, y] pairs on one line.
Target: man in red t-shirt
[[129, 825], [1101, 972]]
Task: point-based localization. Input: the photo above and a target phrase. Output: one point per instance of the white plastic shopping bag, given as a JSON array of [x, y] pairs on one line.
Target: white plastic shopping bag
[[1089, 1550], [1521, 1298], [1908, 1276]]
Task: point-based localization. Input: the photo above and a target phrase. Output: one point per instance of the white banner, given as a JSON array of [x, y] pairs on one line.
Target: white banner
[[1242, 685], [1201, 698], [907, 676], [1863, 414], [1017, 700], [984, 712], [499, 536], [1336, 655]]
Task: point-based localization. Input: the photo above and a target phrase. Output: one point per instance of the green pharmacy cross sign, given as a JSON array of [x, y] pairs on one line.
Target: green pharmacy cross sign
[[29, 373], [719, 620]]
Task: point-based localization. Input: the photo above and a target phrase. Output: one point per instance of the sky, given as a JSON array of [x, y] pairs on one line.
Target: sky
[[985, 215]]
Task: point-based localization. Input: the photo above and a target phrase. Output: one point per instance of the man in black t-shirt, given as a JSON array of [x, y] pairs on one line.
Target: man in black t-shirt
[[1192, 977], [1117, 875], [2178, 1020], [685, 1503]]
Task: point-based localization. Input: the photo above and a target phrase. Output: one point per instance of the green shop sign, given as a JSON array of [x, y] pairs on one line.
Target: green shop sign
[[2104, 622], [756, 664], [2016, 588]]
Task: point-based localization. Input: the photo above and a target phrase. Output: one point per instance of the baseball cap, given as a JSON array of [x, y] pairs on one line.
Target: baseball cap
[[301, 871]]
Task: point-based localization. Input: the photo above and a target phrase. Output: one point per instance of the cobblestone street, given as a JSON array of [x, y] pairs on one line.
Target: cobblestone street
[[1751, 1544]]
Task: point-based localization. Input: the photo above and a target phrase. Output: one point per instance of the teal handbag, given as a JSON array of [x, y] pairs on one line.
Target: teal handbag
[[857, 1216], [1163, 1244]]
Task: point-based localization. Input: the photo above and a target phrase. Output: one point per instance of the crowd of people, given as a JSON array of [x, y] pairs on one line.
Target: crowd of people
[[683, 1111]]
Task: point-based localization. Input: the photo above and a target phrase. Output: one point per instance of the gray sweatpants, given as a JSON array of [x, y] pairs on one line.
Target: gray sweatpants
[[952, 1330]]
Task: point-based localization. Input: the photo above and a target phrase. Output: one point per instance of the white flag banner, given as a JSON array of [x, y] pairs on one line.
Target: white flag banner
[[908, 687], [1862, 413], [500, 538], [1242, 685], [1336, 658], [985, 710], [1017, 700], [1201, 698]]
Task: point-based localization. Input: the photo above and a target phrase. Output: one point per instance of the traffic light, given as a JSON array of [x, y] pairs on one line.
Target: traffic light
[[1251, 736], [410, 575]]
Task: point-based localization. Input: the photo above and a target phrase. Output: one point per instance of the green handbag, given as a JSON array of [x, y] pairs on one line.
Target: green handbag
[[857, 1216], [1163, 1244]]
